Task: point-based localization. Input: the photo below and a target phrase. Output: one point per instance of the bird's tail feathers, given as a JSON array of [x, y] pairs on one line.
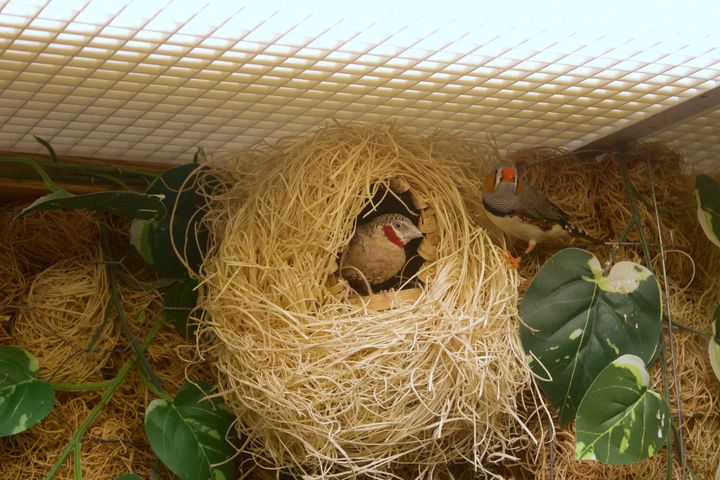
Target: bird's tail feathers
[[576, 231]]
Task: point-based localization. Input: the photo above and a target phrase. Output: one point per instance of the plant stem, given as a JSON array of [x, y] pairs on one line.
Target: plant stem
[[134, 284], [696, 331], [111, 180], [108, 174], [640, 196], [48, 147], [635, 213], [77, 463], [52, 186], [81, 387], [99, 168], [152, 388], [117, 301], [621, 240], [112, 170], [676, 383], [79, 177], [100, 328], [629, 189], [107, 395]]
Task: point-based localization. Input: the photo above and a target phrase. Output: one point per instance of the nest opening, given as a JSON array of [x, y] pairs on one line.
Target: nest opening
[[388, 201]]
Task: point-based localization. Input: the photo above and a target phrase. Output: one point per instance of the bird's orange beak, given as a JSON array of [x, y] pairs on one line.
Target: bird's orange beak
[[508, 174]]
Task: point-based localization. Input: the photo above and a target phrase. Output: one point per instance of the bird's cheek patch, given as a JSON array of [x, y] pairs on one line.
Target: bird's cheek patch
[[393, 236]]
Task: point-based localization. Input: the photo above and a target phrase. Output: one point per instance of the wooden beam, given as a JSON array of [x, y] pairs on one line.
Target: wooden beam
[[12, 189], [148, 166], [655, 123]]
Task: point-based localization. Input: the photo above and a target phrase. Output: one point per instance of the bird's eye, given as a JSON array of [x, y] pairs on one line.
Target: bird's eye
[[397, 225]]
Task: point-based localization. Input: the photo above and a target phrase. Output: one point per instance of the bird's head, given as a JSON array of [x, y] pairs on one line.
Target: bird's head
[[398, 228], [503, 176]]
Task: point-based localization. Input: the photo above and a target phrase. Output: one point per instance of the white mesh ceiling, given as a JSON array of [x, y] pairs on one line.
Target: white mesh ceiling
[[699, 139], [152, 80]]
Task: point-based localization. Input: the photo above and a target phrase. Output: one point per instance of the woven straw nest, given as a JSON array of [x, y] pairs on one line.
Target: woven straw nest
[[397, 384]]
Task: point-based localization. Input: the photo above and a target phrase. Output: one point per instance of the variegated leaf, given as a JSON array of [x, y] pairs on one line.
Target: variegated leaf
[[621, 419], [707, 192], [24, 400], [576, 320], [189, 434]]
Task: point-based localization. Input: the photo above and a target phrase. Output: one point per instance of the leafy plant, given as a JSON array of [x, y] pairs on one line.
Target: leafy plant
[[127, 204], [180, 299], [576, 321], [24, 399], [109, 388], [188, 433], [707, 192], [620, 419], [157, 240]]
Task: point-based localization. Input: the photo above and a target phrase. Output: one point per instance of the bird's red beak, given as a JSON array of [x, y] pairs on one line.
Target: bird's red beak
[[508, 174]]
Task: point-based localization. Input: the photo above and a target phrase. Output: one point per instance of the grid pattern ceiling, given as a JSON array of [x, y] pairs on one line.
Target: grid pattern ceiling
[[151, 80], [698, 138]]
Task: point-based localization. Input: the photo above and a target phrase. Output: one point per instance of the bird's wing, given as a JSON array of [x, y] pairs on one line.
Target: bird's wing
[[535, 205]]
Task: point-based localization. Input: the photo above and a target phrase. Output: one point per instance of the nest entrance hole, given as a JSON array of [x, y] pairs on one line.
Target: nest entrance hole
[[386, 201], [399, 197]]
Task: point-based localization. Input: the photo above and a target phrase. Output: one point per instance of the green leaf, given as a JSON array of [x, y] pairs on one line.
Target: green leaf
[[707, 192], [57, 195], [129, 476], [48, 147], [127, 204], [188, 434], [24, 400], [620, 419], [180, 299], [153, 240], [714, 346], [575, 321]]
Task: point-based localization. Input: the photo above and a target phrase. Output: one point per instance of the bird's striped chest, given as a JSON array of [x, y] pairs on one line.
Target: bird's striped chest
[[525, 229]]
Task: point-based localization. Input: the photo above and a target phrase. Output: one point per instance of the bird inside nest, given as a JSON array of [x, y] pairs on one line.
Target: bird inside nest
[[376, 252], [519, 210]]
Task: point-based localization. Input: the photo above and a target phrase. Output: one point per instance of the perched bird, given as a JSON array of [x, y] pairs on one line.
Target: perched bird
[[377, 251], [517, 209]]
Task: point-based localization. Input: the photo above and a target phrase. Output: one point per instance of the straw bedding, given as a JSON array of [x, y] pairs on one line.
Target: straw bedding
[[30, 245], [55, 310], [323, 385]]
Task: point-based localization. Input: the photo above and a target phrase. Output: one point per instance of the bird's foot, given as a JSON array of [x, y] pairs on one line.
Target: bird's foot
[[349, 291], [513, 262], [385, 293]]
